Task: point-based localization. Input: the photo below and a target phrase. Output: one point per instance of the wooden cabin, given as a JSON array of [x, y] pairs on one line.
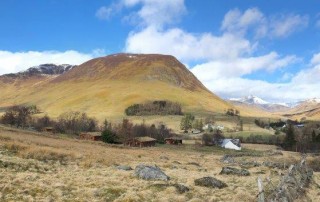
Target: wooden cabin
[[93, 136], [173, 140], [141, 142]]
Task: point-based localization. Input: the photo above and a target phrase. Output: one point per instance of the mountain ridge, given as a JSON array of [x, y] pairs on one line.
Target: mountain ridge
[[104, 87]]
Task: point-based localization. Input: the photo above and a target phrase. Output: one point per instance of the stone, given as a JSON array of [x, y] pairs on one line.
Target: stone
[[126, 168], [234, 171], [181, 188], [210, 182], [150, 173]]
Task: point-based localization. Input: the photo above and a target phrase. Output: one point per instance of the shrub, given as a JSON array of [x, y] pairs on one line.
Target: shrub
[[109, 136]]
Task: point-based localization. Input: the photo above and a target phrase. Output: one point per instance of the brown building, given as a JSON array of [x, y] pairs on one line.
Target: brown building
[[141, 142], [94, 136], [173, 140]]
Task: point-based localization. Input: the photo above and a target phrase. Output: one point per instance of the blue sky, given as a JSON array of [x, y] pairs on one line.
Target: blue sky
[[267, 48]]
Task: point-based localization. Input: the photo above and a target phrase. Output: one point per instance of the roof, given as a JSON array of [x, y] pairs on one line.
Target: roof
[[145, 139], [235, 142], [92, 133], [173, 138]]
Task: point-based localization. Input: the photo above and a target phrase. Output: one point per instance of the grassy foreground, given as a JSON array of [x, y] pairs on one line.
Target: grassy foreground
[[40, 167]]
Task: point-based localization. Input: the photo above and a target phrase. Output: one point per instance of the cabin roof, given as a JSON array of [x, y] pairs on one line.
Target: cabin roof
[[92, 133], [145, 139]]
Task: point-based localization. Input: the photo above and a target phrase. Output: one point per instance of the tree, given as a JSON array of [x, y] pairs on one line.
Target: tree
[[74, 122], [108, 136], [20, 116], [290, 141], [186, 122]]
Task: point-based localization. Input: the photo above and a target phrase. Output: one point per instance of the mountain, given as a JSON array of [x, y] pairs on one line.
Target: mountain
[[49, 69], [250, 100], [309, 108], [104, 87], [256, 102]]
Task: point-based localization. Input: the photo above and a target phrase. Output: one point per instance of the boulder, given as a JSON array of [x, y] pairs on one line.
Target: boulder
[[234, 171], [150, 173], [181, 188], [126, 168], [210, 182]]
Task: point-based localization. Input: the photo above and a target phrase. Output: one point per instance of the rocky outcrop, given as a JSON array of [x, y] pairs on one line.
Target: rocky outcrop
[[234, 171], [210, 182]]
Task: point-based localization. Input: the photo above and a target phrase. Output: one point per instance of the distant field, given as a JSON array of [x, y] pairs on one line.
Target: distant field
[[39, 167]]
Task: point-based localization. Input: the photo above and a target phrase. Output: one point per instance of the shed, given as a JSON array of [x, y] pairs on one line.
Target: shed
[[173, 140], [94, 136], [231, 144], [141, 142]]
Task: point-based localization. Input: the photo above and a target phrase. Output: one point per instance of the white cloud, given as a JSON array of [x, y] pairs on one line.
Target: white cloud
[[283, 25], [152, 12], [158, 13], [187, 46], [315, 59], [238, 23], [241, 66], [104, 13], [11, 62]]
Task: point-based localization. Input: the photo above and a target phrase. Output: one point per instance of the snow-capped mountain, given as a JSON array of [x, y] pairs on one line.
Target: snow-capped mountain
[[255, 101], [250, 100], [47, 69]]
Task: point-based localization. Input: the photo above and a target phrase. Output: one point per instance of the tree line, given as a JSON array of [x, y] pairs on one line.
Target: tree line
[[74, 122], [154, 108]]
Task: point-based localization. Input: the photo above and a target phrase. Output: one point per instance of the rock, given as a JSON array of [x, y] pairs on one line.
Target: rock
[[210, 182], [234, 171], [150, 173], [181, 188], [275, 165], [250, 164], [227, 159], [126, 168]]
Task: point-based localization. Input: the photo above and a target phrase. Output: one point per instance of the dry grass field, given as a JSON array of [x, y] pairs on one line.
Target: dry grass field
[[43, 167]]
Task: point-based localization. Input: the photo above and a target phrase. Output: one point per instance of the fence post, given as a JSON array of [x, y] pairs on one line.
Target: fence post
[[261, 191]]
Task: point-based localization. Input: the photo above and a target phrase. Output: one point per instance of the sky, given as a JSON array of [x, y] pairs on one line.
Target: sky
[[270, 49]]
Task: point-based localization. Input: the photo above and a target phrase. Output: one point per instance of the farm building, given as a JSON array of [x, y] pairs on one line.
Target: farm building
[[231, 144], [173, 140], [94, 136], [141, 142]]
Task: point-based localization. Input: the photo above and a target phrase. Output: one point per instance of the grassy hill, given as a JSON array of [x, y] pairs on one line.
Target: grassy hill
[[104, 87]]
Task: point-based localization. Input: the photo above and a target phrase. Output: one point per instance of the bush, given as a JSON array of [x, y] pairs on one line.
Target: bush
[[108, 136]]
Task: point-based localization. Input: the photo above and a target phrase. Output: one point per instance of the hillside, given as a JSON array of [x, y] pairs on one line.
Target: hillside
[[309, 109], [104, 87]]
